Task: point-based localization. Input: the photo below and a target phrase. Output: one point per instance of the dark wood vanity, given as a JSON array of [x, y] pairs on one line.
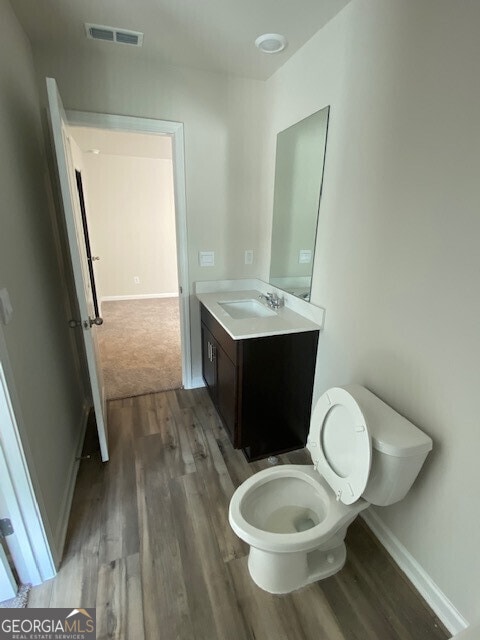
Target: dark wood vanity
[[261, 387]]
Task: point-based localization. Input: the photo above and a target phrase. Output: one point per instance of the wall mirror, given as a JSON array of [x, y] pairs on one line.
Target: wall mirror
[[299, 167]]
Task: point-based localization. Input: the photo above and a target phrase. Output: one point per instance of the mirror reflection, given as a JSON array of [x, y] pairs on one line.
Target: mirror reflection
[[298, 185]]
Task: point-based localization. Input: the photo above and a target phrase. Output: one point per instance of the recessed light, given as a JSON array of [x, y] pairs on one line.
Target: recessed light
[[271, 43], [94, 151]]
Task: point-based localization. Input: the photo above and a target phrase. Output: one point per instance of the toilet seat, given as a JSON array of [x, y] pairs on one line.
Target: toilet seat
[[340, 444]]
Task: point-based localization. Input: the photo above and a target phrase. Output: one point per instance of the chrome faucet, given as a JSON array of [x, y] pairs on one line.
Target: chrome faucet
[[272, 300]]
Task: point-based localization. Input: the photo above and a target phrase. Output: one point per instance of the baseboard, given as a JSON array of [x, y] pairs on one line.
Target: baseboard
[[142, 296], [417, 575], [61, 529], [196, 383]]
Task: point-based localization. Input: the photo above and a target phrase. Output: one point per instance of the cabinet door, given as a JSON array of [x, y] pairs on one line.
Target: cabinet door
[[226, 391], [208, 362]]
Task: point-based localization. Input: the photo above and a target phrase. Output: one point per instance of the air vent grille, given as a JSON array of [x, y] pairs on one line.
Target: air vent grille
[[126, 38], [113, 34], [101, 34]]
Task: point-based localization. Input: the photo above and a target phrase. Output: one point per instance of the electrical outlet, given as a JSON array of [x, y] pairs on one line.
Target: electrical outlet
[[248, 256], [136, 280]]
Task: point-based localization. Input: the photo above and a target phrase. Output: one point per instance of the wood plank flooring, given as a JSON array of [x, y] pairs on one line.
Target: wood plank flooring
[[149, 544]]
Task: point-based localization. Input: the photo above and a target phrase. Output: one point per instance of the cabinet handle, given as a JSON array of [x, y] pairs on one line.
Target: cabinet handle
[[209, 351]]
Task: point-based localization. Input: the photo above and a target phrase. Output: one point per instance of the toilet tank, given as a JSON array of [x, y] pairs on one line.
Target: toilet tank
[[399, 449]]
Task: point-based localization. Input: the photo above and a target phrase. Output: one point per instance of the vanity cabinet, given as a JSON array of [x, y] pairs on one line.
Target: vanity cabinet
[[261, 387], [220, 375]]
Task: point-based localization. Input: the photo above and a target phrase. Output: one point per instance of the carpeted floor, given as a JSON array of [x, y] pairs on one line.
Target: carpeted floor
[[140, 347]]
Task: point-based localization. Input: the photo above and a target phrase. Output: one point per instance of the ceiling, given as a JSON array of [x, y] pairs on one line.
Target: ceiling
[[215, 35]]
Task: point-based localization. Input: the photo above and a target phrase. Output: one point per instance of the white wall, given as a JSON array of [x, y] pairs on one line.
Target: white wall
[[223, 120], [132, 224], [223, 126], [398, 264], [39, 352]]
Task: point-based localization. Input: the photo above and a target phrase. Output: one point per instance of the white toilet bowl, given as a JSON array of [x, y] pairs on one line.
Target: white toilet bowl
[[295, 517], [288, 511]]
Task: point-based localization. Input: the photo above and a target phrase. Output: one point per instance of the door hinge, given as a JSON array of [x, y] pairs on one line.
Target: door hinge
[[6, 528]]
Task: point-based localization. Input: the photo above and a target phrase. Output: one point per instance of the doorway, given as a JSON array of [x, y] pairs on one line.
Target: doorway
[[128, 187]]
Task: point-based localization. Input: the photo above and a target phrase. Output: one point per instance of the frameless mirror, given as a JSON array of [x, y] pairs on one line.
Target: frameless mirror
[[298, 185]]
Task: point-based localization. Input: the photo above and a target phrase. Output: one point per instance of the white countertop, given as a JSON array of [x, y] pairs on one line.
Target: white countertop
[[284, 321]]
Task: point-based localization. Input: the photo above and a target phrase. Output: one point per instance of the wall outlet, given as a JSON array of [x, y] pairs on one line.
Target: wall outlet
[[248, 256], [136, 280]]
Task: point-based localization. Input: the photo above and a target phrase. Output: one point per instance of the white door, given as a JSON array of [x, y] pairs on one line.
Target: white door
[[27, 545], [8, 586], [85, 304]]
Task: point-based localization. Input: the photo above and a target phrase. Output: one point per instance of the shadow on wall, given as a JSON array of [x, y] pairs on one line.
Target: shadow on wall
[[381, 372]]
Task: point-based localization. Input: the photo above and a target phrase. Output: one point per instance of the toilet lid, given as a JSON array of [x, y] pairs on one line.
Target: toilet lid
[[340, 444]]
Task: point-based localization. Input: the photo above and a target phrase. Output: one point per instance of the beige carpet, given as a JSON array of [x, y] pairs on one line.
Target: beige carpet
[[140, 346]]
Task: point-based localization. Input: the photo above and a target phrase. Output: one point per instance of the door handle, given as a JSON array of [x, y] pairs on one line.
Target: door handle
[[73, 324], [212, 350]]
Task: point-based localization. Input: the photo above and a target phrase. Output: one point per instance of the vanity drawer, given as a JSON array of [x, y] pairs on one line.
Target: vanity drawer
[[228, 344]]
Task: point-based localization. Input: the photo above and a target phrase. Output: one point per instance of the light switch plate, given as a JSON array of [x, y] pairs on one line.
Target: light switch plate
[[206, 258], [248, 256], [304, 256], [6, 309]]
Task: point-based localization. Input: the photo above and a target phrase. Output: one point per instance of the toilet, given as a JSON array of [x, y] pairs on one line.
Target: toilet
[[295, 517]]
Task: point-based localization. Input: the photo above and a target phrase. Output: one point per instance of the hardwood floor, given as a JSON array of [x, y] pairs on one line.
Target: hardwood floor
[[149, 544]]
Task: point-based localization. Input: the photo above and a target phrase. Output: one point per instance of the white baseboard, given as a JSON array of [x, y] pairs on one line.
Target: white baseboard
[[417, 575], [142, 296], [196, 383], [61, 529]]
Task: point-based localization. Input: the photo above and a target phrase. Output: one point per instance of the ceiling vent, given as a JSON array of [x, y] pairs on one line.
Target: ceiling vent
[[113, 34]]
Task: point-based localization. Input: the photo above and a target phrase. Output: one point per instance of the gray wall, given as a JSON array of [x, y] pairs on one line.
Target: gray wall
[[37, 340], [223, 126], [398, 263]]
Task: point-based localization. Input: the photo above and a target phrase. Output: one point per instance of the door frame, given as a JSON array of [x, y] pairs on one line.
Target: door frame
[[8, 584], [176, 131], [29, 545]]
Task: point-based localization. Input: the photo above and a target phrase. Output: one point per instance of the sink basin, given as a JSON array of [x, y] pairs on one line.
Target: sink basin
[[251, 308]]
